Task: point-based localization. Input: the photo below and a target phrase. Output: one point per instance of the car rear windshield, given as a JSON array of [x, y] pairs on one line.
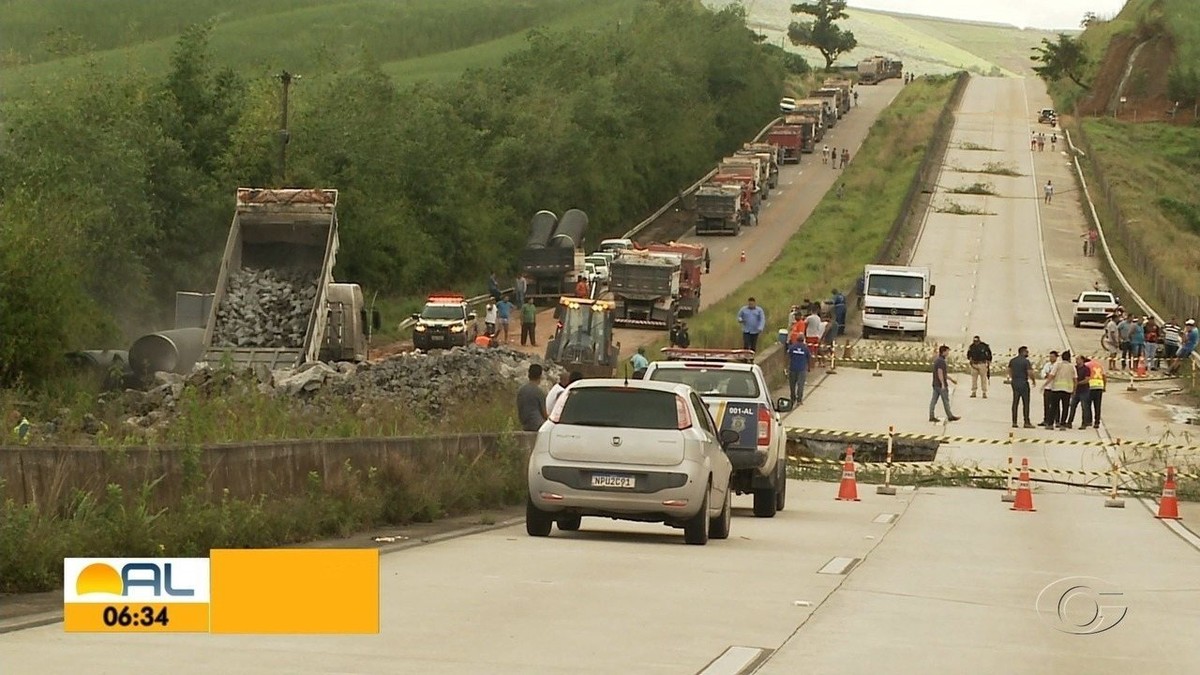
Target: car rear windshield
[[1096, 297], [713, 382], [620, 407]]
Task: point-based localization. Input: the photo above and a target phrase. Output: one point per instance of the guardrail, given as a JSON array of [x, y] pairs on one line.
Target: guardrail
[[1112, 264], [690, 189]]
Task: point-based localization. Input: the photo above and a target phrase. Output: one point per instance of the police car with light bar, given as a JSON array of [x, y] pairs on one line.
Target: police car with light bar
[[445, 321], [736, 393]]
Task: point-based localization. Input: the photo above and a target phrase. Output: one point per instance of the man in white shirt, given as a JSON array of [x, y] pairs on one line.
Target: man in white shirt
[[559, 387], [489, 317], [1048, 396]]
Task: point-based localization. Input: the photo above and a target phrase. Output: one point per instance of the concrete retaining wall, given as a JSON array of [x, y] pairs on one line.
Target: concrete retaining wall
[[45, 476]]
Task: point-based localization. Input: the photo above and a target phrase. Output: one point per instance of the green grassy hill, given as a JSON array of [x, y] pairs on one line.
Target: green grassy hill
[[47, 39], [924, 44]]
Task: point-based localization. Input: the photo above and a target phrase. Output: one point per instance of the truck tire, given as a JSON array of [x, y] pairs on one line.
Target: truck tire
[[1076, 322], [695, 530], [537, 521], [764, 503], [866, 333]]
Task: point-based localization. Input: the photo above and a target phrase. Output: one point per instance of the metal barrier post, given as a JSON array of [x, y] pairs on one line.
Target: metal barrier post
[[1113, 501], [1008, 495], [832, 370], [886, 488], [876, 373]]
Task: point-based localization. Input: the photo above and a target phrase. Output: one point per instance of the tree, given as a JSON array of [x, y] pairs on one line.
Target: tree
[[1065, 58], [822, 33]]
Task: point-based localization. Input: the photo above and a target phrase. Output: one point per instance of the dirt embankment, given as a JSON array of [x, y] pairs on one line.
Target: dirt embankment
[[1136, 66]]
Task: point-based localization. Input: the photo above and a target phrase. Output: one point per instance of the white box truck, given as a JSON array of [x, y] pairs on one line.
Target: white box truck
[[896, 301]]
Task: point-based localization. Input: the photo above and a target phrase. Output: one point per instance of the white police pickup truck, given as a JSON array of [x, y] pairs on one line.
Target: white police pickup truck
[[737, 395]]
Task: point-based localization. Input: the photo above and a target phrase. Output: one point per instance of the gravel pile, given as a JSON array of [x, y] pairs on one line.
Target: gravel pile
[[266, 308]]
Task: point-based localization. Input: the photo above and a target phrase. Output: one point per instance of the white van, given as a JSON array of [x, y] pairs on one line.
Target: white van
[[896, 301]]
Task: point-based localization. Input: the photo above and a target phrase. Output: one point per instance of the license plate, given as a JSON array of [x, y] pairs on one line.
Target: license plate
[[437, 338], [610, 481], [893, 324]]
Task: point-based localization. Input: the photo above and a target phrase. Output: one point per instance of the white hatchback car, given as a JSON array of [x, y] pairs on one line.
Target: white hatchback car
[[631, 450]]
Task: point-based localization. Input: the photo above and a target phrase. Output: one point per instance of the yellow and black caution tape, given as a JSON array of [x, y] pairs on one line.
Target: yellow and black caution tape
[[798, 433], [934, 467]]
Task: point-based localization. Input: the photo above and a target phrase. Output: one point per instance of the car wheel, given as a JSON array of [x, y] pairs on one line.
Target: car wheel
[[764, 503], [719, 527], [569, 523], [866, 333], [781, 491], [537, 521], [695, 530]]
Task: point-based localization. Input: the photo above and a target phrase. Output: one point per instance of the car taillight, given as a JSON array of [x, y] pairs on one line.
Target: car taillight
[[764, 425], [683, 413]]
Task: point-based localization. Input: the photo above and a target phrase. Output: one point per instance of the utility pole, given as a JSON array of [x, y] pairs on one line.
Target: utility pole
[[284, 136]]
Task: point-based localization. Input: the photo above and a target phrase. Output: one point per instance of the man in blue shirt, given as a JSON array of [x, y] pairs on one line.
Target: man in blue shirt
[[753, 320], [640, 363], [504, 310], [1191, 340], [798, 357]]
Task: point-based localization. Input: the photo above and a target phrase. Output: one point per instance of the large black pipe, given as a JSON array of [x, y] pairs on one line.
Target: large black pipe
[[569, 233], [172, 351], [541, 227]]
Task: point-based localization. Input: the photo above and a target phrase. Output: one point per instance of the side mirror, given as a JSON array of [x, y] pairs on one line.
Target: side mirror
[[1074, 299], [783, 405], [415, 315], [376, 319], [472, 316], [932, 290], [729, 437]]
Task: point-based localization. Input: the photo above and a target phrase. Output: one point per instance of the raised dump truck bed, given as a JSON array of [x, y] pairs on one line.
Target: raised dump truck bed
[[270, 305]]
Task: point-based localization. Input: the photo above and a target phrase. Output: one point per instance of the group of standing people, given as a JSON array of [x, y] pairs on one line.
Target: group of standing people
[[830, 155], [1038, 141], [1135, 338], [533, 405]]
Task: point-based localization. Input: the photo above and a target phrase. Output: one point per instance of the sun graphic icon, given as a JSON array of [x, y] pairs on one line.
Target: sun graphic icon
[[99, 578]]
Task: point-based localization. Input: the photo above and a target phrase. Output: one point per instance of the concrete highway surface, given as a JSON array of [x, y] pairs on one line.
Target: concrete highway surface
[[932, 580]]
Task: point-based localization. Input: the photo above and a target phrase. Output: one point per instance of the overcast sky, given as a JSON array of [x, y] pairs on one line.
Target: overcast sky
[[1021, 13]]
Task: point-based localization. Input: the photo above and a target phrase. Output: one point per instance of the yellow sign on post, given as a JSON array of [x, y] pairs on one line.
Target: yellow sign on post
[[295, 591], [135, 595]]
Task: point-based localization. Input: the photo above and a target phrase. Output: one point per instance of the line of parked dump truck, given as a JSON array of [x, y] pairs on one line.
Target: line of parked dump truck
[[877, 68]]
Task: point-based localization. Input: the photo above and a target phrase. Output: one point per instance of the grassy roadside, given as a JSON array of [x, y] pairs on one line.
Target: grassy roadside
[[843, 234], [114, 523]]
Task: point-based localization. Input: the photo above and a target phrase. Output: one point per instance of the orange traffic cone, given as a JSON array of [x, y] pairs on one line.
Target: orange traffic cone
[[848, 492], [743, 256], [1141, 366], [1168, 507], [1024, 500]]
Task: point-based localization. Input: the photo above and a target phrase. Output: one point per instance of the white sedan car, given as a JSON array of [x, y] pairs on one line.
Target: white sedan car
[[631, 450]]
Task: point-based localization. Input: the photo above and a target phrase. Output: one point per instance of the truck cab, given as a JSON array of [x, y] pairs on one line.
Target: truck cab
[[896, 301], [445, 321]]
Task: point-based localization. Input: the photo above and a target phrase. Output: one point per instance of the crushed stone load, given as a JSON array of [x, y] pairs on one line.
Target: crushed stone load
[[267, 308], [427, 384]]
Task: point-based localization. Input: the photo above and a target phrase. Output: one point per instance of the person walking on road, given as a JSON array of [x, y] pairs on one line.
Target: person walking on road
[[1124, 340], [531, 402], [813, 330], [845, 157], [1049, 190], [1082, 394], [753, 320], [1172, 336], [799, 361], [855, 98], [489, 317], [1096, 383], [941, 387], [529, 322], [825, 154], [1049, 400], [833, 157], [1021, 378], [1137, 343], [1063, 386], [520, 288], [1150, 349], [979, 355]]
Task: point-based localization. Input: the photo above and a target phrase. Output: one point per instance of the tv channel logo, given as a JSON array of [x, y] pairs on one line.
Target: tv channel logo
[[157, 580], [1081, 605]]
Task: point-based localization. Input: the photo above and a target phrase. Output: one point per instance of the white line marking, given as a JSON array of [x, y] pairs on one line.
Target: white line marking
[[885, 518], [839, 565], [733, 661]]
